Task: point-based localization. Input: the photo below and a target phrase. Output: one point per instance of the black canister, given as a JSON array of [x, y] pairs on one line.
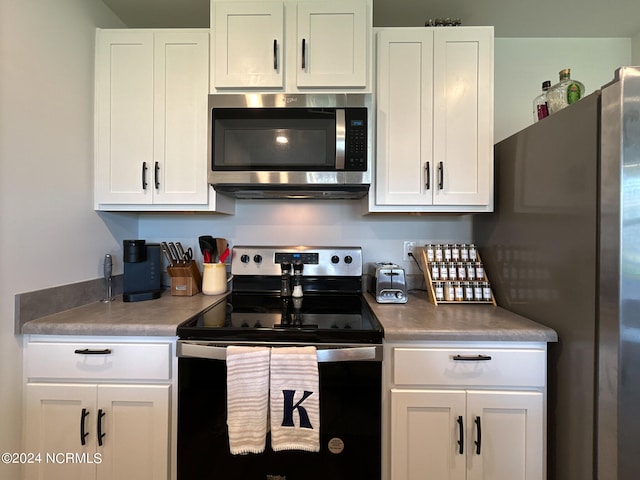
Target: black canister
[[134, 251]]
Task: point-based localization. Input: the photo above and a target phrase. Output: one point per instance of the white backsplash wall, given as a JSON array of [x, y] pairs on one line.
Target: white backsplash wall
[[319, 223]]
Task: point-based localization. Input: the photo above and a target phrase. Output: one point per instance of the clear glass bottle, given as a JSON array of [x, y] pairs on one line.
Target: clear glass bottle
[[565, 92], [540, 106]]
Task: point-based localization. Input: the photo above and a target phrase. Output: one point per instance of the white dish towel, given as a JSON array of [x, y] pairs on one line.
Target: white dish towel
[[247, 398], [295, 399]]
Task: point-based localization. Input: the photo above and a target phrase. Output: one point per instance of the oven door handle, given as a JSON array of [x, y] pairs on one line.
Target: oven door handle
[[373, 353]]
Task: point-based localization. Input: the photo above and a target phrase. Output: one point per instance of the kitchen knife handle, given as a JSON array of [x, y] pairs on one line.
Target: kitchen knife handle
[[461, 435], [83, 415], [441, 175], [100, 434], [275, 54], [304, 53], [478, 442], [156, 175], [144, 175], [427, 174]]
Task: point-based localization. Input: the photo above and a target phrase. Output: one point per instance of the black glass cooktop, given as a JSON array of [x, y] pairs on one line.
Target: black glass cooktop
[[316, 318]]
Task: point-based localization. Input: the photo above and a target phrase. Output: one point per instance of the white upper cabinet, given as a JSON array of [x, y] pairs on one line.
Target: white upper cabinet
[[434, 95], [332, 44], [248, 40], [291, 45], [151, 120]]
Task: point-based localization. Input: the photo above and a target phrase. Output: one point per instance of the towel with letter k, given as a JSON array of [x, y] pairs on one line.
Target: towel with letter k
[[295, 399]]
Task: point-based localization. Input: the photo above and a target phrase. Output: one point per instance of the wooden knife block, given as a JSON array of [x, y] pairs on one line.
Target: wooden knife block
[[186, 280]]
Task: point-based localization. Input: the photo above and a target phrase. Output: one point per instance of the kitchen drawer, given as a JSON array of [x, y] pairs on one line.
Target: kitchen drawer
[[469, 367], [98, 361]]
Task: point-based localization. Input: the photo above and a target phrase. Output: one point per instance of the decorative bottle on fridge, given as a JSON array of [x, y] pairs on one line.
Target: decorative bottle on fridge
[[540, 106], [565, 92]]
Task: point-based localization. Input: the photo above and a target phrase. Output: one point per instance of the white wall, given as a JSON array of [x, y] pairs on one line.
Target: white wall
[[522, 64], [293, 222], [635, 50], [49, 234]]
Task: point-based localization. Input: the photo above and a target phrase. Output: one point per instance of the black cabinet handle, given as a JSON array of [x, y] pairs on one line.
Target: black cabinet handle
[[441, 175], [461, 440], [156, 175], [275, 54], [100, 434], [478, 442], [86, 351], [471, 358], [83, 434], [427, 173], [144, 175], [304, 53]]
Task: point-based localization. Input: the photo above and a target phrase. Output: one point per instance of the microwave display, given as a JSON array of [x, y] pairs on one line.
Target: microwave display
[[289, 139]]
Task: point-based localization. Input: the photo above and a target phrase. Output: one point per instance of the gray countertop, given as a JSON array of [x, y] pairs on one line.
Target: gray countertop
[[158, 317], [419, 319], [416, 320]]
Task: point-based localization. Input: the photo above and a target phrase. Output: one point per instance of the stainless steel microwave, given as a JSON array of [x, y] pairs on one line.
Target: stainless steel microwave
[[289, 145]]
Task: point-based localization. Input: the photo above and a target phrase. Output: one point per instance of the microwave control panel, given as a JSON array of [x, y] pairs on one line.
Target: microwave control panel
[[356, 139]]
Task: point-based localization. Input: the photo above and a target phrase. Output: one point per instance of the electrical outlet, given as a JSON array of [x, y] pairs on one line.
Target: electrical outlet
[[409, 246]]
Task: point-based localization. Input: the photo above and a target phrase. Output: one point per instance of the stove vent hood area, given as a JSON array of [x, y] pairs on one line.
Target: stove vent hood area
[[316, 192]]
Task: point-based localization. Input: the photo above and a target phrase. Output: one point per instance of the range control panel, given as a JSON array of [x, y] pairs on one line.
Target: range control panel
[[318, 261]]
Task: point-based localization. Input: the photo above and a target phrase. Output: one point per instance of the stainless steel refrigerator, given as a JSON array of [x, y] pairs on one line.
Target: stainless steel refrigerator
[[563, 248]]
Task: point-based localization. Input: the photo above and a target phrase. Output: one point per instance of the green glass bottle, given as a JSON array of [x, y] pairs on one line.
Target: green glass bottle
[[565, 92]]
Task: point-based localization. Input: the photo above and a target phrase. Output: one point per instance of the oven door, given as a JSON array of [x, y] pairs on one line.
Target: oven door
[[350, 411]]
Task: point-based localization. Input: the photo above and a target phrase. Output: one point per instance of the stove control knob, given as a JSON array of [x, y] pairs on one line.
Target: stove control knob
[[348, 259], [257, 258], [244, 258], [335, 259]]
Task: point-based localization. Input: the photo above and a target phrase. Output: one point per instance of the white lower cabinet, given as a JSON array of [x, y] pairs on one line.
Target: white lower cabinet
[[99, 416], [453, 415]]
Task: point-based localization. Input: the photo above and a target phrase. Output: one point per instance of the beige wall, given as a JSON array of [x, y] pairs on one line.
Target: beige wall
[[522, 64], [49, 234]]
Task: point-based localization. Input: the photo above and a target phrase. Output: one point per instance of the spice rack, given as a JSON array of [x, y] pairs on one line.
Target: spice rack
[[454, 273]]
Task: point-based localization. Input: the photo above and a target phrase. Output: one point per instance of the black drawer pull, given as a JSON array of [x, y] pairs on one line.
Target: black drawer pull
[[471, 358], [100, 434], [83, 415], [144, 175], [479, 435], [86, 351], [156, 176], [275, 54], [461, 441], [427, 174]]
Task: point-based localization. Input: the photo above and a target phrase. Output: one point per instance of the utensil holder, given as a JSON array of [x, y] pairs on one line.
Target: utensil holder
[[185, 280], [214, 278]]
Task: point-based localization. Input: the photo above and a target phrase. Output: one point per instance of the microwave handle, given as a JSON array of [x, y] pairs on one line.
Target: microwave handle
[[341, 133]]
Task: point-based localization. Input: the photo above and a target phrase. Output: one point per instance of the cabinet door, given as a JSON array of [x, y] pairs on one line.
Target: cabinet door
[[136, 432], [463, 116], [510, 426], [404, 159], [425, 435], [124, 117], [332, 44], [180, 122], [248, 44], [54, 425]]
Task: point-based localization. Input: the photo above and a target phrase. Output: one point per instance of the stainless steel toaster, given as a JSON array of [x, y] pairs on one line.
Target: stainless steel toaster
[[388, 283]]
